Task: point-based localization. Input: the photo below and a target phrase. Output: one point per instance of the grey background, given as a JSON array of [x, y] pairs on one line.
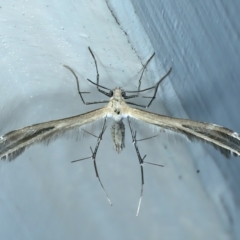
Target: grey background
[[42, 195], [201, 41]]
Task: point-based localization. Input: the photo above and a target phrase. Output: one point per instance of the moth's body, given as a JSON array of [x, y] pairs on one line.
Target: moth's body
[[117, 109]]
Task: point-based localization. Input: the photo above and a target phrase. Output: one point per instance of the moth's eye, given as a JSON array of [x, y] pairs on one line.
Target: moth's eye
[[111, 93], [123, 94]]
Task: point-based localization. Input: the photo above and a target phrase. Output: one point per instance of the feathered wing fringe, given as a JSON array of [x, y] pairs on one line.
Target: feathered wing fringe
[[14, 143], [223, 139]]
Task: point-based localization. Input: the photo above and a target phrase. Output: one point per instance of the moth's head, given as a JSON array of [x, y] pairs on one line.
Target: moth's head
[[118, 93], [117, 104]]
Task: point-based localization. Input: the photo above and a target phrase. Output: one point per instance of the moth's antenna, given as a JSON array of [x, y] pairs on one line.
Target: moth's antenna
[[139, 82], [144, 67], [140, 79], [109, 94], [140, 159], [97, 77], [78, 88], [98, 85], [93, 157], [155, 87]]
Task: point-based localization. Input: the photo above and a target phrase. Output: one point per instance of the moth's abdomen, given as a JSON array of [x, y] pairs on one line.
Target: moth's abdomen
[[118, 135]]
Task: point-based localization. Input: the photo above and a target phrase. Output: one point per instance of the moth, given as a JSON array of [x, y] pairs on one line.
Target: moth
[[15, 142]]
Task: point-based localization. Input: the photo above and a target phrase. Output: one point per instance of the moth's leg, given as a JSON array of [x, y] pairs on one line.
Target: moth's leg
[[140, 159], [143, 139], [78, 88], [93, 157]]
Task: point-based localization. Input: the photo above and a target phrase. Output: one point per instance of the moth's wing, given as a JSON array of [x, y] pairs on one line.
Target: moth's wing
[[223, 139], [15, 142]]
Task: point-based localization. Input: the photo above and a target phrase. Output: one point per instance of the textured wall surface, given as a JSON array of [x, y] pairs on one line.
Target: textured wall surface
[[203, 40]]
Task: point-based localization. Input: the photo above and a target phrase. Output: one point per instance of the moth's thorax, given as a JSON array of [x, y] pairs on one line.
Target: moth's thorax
[[117, 105]]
